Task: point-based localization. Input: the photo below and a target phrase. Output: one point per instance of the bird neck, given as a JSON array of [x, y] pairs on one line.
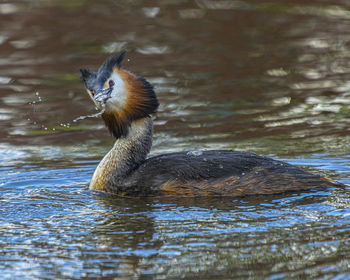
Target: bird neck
[[126, 155]]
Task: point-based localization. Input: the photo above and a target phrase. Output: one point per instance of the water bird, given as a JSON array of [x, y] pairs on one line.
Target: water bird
[[127, 102]]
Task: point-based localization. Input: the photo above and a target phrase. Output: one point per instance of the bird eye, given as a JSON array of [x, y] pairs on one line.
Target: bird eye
[[111, 83]]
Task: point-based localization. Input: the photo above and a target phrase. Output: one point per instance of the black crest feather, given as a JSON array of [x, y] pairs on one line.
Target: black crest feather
[[85, 74], [116, 59], [88, 78]]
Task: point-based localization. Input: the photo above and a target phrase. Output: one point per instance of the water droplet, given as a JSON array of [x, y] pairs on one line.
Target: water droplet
[[221, 166]]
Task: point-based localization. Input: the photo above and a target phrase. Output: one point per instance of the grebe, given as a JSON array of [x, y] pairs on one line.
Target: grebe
[[127, 102]]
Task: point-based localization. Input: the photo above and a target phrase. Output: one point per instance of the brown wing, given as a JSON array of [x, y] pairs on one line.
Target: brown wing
[[217, 173]]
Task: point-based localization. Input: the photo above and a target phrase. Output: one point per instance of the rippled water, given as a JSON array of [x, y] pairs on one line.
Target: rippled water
[[271, 77]]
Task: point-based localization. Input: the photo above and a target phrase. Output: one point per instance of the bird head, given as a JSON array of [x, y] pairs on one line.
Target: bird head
[[123, 96]]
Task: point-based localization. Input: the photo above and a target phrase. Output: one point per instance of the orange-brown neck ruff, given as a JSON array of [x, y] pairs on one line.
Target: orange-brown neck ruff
[[140, 102]]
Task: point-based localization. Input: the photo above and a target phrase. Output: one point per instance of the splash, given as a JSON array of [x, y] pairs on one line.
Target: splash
[[96, 115], [64, 125], [33, 103]]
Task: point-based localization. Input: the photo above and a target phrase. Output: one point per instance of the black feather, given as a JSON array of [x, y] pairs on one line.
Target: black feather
[[85, 74], [110, 62]]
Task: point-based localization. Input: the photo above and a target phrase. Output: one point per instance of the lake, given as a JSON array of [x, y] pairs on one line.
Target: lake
[[270, 77]]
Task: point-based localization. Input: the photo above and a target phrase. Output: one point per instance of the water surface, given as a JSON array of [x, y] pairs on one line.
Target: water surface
[[270, 77]]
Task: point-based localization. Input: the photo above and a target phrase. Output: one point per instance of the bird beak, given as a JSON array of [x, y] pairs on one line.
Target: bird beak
[[103, 95]]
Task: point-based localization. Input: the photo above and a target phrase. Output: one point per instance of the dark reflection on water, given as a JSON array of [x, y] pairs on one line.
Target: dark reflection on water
[[264, 76]]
